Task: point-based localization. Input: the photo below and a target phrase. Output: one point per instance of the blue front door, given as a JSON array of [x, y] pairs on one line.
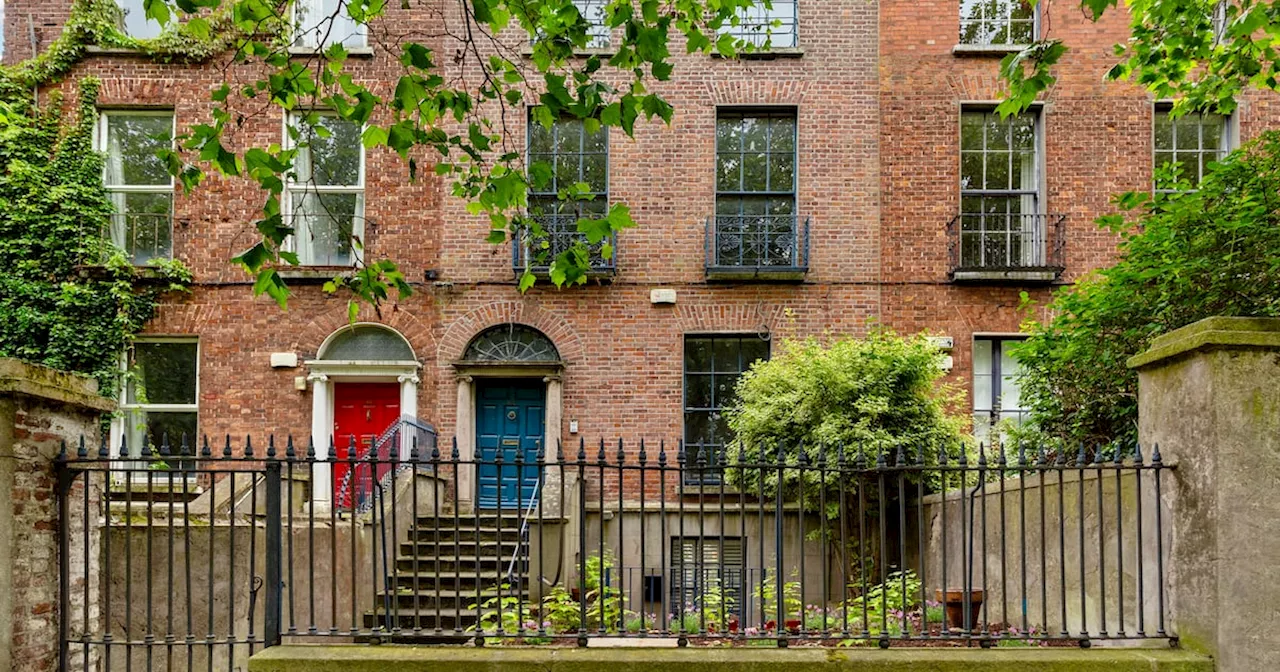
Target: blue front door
[[509, 421]]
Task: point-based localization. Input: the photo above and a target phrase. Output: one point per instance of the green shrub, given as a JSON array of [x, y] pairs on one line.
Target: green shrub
[[1182, 257]]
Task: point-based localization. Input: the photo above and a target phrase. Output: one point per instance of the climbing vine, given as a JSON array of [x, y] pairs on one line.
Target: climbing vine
[[68, 298]]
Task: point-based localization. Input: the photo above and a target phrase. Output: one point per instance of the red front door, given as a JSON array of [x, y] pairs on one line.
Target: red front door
[[361, 412]]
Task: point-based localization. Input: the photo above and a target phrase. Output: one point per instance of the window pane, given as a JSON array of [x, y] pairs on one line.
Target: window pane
[[143, 225], [996, 22], [319, 23], [726, 352], [729, 172], [724, 390], [697, 391], [593, 172], [149, 429], [782, 172], [162, 373], [333, 160], [1163, 131], [136, 23], [755, 172], [754, 348], [132, 143], [1010, 398], [697, 354], [982, 356], [783, 134], [728, 134], [540, 138], [324, 225]]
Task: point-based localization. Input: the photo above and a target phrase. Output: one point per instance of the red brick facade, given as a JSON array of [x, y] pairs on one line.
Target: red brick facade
[[877, 92]]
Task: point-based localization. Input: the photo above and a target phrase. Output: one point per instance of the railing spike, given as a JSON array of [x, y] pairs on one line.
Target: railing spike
[[205, 450], [642, 456], [454, 454], [414, 456], [333, 449], [248, 446], [621, 453], [1155, 455], [226, 448], [183, 449], [271, 445], [662, 452], [582, 450], [124, 445], [164, 444]]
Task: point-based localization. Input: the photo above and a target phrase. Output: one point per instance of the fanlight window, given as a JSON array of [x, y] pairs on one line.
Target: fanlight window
[[367, 343], [511, 343]]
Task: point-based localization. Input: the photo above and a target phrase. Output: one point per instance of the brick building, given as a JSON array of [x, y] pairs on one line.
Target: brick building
[[815, 188]]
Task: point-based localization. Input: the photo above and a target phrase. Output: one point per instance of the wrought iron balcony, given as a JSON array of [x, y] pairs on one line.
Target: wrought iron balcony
[[1006, 247], [561, 235], [766, 247]]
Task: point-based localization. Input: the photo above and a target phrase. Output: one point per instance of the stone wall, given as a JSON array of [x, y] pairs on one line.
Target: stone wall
[[1209, 395], [179, 576], [1049, 553], [39, 409]]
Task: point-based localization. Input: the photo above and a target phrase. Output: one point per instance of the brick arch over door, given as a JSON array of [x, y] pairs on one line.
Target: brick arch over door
[[460, 332], [413, 328]]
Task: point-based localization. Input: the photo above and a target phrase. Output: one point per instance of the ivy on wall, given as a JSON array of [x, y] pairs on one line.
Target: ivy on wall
[[68, 298]]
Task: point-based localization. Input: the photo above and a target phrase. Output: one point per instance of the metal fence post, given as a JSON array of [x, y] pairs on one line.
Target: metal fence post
[[273, 584], [65, 478]]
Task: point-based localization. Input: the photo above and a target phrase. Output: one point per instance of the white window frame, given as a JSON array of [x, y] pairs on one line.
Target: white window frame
[[309, 40], [995, 388], [293, 187], [1006, 20], [119, 429], [101, 142], [1227, 143], [1034, 224], [754, 25]]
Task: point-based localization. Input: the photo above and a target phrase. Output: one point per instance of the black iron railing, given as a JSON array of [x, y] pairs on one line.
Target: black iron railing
[[560, 234], [829, 545], [764, 244], [1007, 242]]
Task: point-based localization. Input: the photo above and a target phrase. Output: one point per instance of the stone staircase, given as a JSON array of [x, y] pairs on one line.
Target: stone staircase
[[445, 567]]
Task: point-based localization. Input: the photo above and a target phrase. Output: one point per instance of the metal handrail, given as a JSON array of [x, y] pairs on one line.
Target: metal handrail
[[524, 529]]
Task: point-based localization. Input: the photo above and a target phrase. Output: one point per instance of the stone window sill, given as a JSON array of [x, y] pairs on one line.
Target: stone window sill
[[602, 52], [770, 54], [352, 52], [986, 50], [308, 275]]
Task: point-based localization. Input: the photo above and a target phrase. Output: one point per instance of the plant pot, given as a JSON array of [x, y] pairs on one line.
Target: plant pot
[[953, 600]]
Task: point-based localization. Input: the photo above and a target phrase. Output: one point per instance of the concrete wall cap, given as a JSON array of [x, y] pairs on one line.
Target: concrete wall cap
[[34, 380], [1210, 334], [351, 658]]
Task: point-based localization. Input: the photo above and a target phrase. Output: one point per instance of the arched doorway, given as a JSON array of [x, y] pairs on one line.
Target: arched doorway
[[364, 381], [509, 404]]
